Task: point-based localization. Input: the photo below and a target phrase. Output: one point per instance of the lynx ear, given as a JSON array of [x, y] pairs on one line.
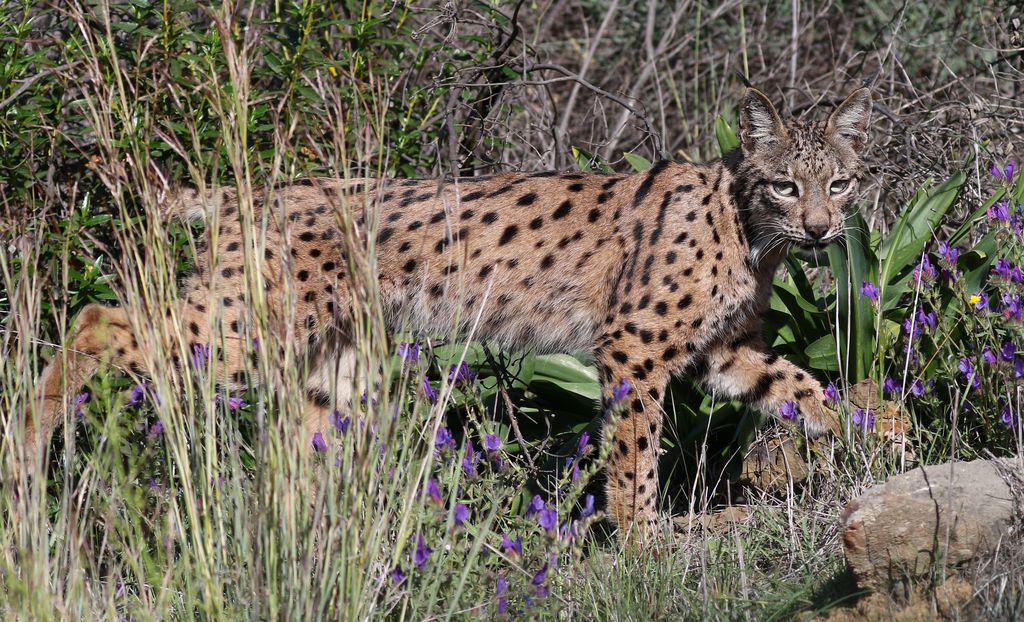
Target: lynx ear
[[849, 121], [760, 124]]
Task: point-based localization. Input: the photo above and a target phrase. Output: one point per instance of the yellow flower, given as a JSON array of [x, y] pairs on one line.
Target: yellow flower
[[974, 299], [333, 71]]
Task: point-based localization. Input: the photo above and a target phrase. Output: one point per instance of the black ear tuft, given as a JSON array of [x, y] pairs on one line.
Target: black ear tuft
[[760, 124]]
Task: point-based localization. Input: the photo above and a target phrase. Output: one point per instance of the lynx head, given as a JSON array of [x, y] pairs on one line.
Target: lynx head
[[795, 181]]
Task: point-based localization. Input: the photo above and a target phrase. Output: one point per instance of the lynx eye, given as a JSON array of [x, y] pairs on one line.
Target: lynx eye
[[839, 185], [784, 188]]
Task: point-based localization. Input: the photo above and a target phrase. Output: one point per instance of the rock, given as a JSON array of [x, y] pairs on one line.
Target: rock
[[935, 515], [774, 461]]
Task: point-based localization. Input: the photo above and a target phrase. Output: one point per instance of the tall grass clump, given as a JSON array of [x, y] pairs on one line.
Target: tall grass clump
[[166, 495]]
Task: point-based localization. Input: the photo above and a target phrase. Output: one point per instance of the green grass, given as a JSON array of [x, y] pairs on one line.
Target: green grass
[[186, 507]]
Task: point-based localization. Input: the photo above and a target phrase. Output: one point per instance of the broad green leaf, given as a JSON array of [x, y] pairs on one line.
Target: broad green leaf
[[821, 354], [855, 311], [587, 161], [588, 390], [915, 226], [796, 296], [638, 162], [563, 368]]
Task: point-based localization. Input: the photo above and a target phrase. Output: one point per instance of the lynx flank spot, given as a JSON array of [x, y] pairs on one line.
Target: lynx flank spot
[[649, 275]]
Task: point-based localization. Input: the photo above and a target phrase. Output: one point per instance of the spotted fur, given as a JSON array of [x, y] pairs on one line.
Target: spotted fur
[[652, 274]]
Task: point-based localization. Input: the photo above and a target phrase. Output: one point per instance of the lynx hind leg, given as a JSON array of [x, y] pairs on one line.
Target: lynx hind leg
[[632, 473], [102, 336], [330, 385]]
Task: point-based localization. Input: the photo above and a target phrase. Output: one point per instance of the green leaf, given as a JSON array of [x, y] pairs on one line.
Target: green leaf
[[727, 139], [822, 354], [915, 226], [973, 219], [855, 311], [639, 163], [562, 368], [587, 161]]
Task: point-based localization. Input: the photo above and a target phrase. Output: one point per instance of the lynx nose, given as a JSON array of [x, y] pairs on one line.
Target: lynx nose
[[816, 230]]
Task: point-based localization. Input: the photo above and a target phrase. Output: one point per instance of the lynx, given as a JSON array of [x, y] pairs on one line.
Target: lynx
[[652, 274]]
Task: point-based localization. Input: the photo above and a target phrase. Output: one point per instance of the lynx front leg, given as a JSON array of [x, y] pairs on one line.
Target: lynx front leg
[[632, 478], [102, 336], [746, 369]]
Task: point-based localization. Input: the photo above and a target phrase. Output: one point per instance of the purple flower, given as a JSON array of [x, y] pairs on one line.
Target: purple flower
[[870, 291], [397, 575], [156, 429], [928, 320], [548, 518], [1006, 172], [889, 385], [410, 352], [864, 418], [966, 368], [80, 401], [500, 585], [443, 439], [989, 356], [917, 388], [789, 410], [913, 327], [429, 391], [200, 354], [434, 491], [924, 269], [502, 605], [234, 403], [492, 442], [831, 392], [999, 211], [980, 301], [949, 253], [461, 373], [541, 575], [1007, 417], [581, 444], [422, 552], [340, 423], [1009, 350], [461, 513], [588, 506], [1014, 309], [319, 444], [513, 548], [536, 505], [470, 460], [1002, 268], [1013, 306], [1018, 367], [621, 390], [138, 392]]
